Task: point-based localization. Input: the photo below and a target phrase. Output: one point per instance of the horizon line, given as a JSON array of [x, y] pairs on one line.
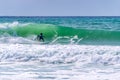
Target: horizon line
[[59, 16]]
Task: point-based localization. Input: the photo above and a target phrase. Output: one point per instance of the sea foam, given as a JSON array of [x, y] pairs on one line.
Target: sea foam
[[60, 54]]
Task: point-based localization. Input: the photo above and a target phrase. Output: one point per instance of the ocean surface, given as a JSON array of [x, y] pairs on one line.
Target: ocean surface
[[75, 48]]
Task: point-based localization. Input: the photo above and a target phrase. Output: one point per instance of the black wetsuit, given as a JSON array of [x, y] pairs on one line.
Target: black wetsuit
[[40, 37]]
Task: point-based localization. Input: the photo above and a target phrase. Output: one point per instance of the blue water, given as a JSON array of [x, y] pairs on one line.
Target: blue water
[[75, 48]]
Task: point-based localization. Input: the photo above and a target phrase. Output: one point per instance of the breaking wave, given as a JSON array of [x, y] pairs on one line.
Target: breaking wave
[[59, 34]]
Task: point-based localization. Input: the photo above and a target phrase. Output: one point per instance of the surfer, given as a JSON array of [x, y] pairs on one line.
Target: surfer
[[40, 37]]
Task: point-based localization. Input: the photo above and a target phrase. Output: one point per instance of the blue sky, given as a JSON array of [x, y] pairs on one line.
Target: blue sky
[[59, 7]]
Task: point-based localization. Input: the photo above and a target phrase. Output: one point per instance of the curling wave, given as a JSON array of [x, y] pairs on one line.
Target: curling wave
[[60, 34]]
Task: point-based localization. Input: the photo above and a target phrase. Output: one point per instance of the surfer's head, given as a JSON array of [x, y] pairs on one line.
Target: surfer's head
[[41, 33]]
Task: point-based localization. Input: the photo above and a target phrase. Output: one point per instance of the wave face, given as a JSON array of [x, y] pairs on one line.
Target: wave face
[[58, 34]]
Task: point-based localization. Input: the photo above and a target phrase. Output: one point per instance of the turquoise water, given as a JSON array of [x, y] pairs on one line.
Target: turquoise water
[[80, 30], [75, 48]]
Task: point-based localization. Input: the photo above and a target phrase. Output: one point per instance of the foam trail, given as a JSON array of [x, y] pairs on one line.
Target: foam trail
[[105, 55]]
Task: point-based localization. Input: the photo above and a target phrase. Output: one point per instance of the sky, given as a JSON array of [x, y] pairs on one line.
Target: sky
[[59, 7]]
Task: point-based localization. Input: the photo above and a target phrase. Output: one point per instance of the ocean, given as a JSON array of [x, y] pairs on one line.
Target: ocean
[[75, 48]]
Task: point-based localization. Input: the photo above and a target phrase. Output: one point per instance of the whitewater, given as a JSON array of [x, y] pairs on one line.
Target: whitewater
[[75, 48]]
